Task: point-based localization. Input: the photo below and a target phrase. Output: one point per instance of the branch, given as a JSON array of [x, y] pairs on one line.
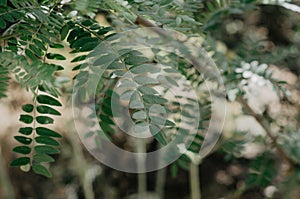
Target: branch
[[268, 131]]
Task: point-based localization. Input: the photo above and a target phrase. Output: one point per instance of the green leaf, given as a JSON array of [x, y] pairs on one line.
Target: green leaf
[[142, 80], [84, 40], [41, 170], [20, 162], [41, 149], [47, 110], [39, 44], [79, 58], [136, 104], [47, 132], [145, 68], [88, 46], [105, 59], [27, 119], [171, 81], [2, 23], [64, 32], [139, 115], [25, 130], [46, 140], [158, 135], [22, 149], [23, 140], [28, 108], [147, 90], [42, 158], [154, 99], [55, 56], [135, 60], [161, 121], [56, 45], [44, 120], [46, 99], [30, 54], [165, 2]]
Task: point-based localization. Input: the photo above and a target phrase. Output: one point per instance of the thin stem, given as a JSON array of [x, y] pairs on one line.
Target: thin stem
[[142, 178], [195, 181], [81, 166], [160, 182], [268, 131]]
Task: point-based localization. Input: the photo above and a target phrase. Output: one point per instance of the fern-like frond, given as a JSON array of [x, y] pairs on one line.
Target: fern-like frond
[[4, 80], [30, 75]]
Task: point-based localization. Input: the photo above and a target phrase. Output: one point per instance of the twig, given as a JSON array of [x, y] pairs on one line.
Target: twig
[[269, 133]]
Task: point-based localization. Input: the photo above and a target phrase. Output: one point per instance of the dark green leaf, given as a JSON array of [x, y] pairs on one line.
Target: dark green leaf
[[39, 44], [41, 149], [28, 108], [83, 40], [23, 140], [41, 170], [2, 23], [44, 120], [56, 45], [30, 54], [105, 30], [27, 119], [64, 32], [55, 56], [47, 132], [42, 158], [46, 99], [46, 140], [47, 110], [88, 46], [25, 130], [20, 162], [79, 58], [22, 149]]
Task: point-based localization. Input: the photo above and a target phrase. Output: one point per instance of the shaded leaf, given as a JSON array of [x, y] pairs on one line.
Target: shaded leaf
[[42, 158], [42, 149], [41, 170], [46, 140]]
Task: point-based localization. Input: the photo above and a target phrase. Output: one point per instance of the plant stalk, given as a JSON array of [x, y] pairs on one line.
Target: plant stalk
[[195, 181]]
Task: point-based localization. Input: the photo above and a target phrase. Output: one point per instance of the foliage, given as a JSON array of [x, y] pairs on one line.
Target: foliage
[[31, 30]]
